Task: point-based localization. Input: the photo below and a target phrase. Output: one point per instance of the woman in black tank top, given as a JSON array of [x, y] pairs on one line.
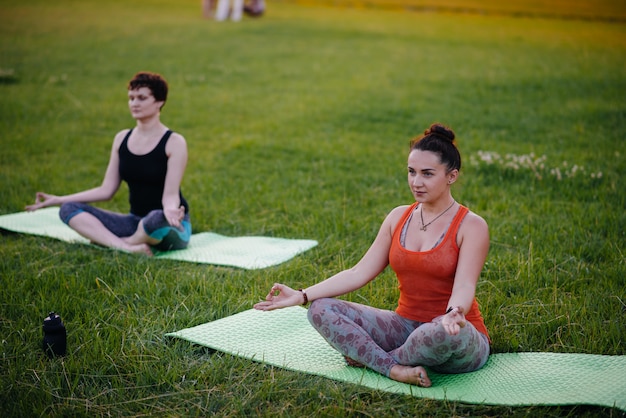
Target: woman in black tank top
[[151, 159]]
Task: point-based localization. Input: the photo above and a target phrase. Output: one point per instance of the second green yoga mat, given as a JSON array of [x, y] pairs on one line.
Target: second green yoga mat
[[284, 338], [248, 252]]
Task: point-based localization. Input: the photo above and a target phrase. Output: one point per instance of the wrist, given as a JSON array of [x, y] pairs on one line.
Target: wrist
[[305, 298]]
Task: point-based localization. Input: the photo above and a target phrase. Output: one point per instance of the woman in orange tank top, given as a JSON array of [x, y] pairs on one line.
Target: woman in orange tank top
[[437, 248]]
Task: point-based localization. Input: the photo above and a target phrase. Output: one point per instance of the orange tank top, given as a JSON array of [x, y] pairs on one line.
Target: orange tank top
[[426, 277]]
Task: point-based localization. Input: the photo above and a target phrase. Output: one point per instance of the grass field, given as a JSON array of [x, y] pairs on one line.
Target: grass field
[[606, 10], [298, 125]]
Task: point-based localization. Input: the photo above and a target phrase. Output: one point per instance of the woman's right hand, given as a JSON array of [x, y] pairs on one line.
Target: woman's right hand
[[280, 296], [452, 321], [43, 200]]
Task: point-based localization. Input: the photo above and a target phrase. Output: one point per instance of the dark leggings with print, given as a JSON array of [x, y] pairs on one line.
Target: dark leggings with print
[[154, 224], [380, 339]]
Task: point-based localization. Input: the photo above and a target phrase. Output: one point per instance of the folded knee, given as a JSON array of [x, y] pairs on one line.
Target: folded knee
[[316, 310], [157, 227], [69, 210], [154, 221]]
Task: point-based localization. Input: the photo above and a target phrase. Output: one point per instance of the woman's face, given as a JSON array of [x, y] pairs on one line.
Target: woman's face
[[428, 178], [142, 103]]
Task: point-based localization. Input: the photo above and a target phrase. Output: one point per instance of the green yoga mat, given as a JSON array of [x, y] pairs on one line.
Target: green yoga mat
[[284, 338], [206, 247]]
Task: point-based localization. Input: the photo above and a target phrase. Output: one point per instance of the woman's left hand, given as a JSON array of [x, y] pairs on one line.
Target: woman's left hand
[[453, 321], [43, 200], [280, 296], [175, 216]]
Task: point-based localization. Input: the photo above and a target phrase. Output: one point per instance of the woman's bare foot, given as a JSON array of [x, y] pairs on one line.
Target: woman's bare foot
[[141, 249], [415, 375], [136, 248], [129, 248], [133, 247]]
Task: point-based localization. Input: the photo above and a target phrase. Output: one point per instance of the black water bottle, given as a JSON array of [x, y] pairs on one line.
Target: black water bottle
[[54, 335]]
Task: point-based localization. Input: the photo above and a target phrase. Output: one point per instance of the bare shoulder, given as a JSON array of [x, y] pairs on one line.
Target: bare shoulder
[[119, 137], [398, 211], [176, 137], [176, 144], [176, 141], [473, 226], [121, 134], [395, 215]]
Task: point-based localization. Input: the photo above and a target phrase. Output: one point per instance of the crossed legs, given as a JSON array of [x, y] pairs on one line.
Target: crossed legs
[[395, 346], [126, 232], [93, 229]]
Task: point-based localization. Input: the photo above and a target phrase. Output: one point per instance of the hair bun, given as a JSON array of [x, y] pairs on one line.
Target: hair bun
[[440, 131]]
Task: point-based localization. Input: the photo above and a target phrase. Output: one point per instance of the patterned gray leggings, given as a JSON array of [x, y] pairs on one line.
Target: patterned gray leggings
[[380, 339]]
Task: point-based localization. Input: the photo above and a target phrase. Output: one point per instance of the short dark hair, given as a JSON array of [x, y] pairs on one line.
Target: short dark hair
[[440, 140], [154, 81]]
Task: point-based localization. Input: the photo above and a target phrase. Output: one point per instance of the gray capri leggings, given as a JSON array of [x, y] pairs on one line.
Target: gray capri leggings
[[381, 339], [154, 223]]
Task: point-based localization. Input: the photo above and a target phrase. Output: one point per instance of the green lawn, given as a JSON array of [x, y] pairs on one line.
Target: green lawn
[[298, 125], [608, 10]]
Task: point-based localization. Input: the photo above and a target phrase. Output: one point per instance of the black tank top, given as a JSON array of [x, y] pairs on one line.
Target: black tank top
[[145, 176]]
